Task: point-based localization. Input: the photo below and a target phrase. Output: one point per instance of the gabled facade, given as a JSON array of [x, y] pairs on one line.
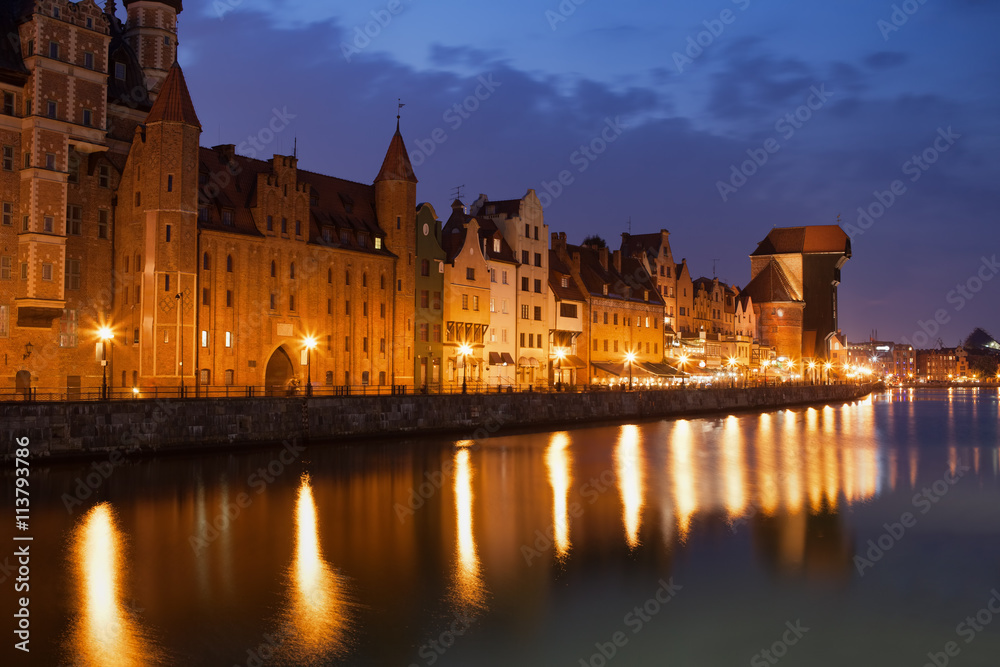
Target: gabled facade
[[429, 287], [466, 304], [571, 324]]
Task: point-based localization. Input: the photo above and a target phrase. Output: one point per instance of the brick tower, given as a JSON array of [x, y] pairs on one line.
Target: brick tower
[[158, 231], [151, 31], [396, 209]]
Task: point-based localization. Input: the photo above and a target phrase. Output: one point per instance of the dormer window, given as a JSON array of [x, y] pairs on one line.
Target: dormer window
[[496, 245], [120, 71], [227, 217], [345, 237], [362, 240], [327, 236], [564, 281], [645, 295], [605, 286], [378, 242]]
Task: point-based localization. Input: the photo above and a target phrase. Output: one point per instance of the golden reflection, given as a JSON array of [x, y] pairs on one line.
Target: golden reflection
[[914, 460], [629, 468], [791, 464], [682, 474], [468, 585], [952, 459], [105, 632], [767, 478], [558, 464], [814, 460], [734, 467], [830, 454], [317, 612]]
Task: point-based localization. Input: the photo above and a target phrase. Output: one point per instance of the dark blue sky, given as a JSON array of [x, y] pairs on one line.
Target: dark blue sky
[[890, 87]]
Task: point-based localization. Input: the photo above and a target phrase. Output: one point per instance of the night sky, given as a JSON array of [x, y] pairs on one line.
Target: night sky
[[883, 86]]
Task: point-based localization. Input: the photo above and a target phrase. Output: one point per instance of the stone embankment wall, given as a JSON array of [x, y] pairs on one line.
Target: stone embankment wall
[[90, 429]]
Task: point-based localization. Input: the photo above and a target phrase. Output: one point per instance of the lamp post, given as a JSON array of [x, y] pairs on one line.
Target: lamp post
[[812, 369], [765, 364], [732, 364], [105, 334], [465, 351], [683, 359], [560, 355], [828, 367], [180, 339], [310, 344], [630, 358]]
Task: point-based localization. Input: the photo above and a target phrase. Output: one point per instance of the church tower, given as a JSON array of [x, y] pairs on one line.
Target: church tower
[[151, 31], [158, 228], [396, 209]]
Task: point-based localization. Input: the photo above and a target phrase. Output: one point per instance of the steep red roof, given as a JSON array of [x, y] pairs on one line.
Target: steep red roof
[[174, 103], [815, 238], [396, 166]]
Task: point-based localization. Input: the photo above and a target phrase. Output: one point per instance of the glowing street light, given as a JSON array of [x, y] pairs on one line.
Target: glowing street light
[[828, 366], [105, 334], [310, 344], [683, 359], [560, 355], [630, 358], [465, 350], [765, 364], [812, 369]]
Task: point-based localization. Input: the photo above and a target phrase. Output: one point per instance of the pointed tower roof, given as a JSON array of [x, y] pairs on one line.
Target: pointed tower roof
[[396, 166], [174, 102]]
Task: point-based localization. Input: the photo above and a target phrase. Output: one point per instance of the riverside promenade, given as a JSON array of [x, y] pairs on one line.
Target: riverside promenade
[[94, 429]]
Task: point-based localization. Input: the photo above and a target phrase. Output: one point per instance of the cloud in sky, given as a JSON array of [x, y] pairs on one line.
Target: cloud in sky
[[555, 89]]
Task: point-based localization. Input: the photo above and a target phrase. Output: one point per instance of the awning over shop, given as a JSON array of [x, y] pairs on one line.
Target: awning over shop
[[659, 369], [610, 368], [505, 358], [495, 358], [569, 361]]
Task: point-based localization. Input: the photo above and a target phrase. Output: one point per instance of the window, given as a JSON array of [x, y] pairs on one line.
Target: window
[[524, 284], [527, 230], [291, 302], [503, 277], [8, 103], [227, 217], [364, 280], [51, 109], [347, 344], [229, 263], [229, 339], [120, 71], [54, 50], [425, 267], [88, 117], [73, 274], [436, 303], [170, 182], [616, 346], [168, 234], [378, 246], [347, 277], [536, 236], [538, 286], [204, 296], [291, 271], [437, 333], [364, 348], [8, 213], [538, 259], [88, 59], [493, 305], [74, 167], [475, 303], [424, 332], [496, 245], [364, 308], [284, 225], [425, 298], [347, 307], [564, 281], [166, 283], [104, 176], [298, 228], [48, 224], [524, 311], [6, 264], [531, 340], [595, 317], [503, 306], [50, 160], [470, 273], [538, 313], [274, 301], [381, 310], [595, 345], [524, 257], [493, 275], [138, 199], [465, 302], [567, 310], [24, 271], [270, 223], [68, 329], [8, 158], [205, 263], [615, 316]]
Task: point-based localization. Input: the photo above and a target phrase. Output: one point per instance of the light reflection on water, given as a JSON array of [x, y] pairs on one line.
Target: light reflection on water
[[782, 492]]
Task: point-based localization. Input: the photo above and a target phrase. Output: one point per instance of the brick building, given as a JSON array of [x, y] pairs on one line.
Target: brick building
[[210, 268]]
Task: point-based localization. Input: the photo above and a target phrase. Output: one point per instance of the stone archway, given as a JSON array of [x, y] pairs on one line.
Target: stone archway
[[278, 372]]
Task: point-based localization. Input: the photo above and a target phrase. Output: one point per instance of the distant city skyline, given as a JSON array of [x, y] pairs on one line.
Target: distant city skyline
[[836, 108]]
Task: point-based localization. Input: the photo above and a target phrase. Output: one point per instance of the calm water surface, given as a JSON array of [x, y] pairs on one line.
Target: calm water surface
[[689, 542]]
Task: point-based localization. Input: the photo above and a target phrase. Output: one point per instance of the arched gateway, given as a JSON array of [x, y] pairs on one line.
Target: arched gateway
[[278, 373]]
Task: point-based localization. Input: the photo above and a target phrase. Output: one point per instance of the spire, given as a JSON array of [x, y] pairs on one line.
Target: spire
[[174, 101], [396, 166], [110, 8]]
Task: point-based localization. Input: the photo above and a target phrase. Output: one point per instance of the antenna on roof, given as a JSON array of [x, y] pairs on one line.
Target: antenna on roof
[[295, 148], [630, 225], [714, 276], [458, 192]]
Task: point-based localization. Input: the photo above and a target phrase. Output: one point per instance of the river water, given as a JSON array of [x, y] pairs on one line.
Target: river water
[[858, 534]]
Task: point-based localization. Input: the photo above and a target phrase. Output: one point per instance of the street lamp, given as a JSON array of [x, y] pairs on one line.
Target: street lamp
[[560, 355], [765, 364], [828, 366], [465, 350], [683, 359], [812, 368], [310, 343], [732, 365], [105, 334], [630, 358]]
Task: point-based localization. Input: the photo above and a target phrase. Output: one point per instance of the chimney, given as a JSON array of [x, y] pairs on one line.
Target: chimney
[[557, 243], [574, 258], [226, 151], [602, 255], [616, 259]]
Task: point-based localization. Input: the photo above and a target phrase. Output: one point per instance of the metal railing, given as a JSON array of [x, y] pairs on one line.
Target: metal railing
[[41, 394]]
